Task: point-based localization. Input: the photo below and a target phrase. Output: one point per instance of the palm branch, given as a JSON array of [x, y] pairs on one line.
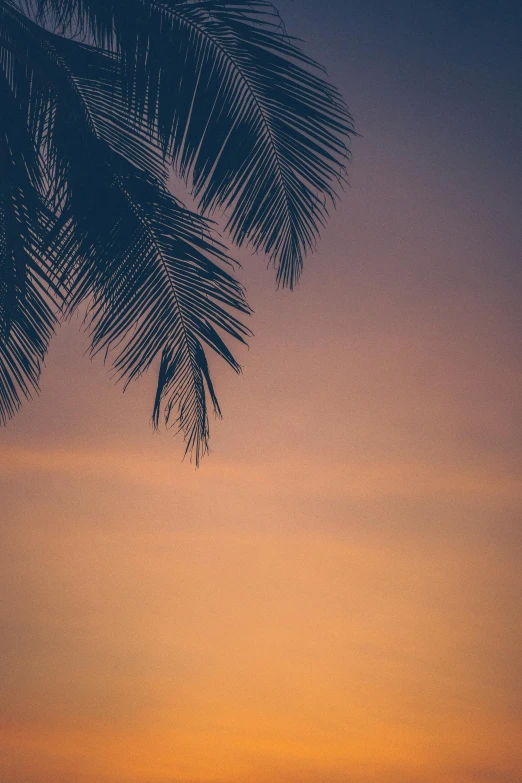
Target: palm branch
[[102, 98]]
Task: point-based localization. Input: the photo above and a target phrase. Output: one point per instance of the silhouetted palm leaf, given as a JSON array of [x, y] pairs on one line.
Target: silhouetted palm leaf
[[108, 92], [26, 280], [238, 107], [158, 289]]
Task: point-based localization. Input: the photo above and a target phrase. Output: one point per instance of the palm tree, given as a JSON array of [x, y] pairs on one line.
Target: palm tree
[[99, 101]]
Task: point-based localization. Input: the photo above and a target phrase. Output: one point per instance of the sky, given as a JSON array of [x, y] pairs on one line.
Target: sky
[[335, 595]]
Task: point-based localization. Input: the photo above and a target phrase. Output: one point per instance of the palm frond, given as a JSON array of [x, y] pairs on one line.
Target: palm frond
[[159, 290], [148, 263], [28, 290], [244, 114], [264, 137], [81, 81], [105, 93], [148, 266]]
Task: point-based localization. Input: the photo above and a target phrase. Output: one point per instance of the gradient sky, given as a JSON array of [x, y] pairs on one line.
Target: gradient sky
[[335, 596]]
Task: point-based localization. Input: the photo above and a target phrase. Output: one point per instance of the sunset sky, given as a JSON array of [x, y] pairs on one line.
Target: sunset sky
[[335, 595]]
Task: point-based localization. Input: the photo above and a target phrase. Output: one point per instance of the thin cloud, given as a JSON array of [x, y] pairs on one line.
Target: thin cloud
[[287, 477]]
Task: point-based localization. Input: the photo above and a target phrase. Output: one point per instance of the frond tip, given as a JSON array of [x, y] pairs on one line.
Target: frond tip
[[159, 289], [98, 99]]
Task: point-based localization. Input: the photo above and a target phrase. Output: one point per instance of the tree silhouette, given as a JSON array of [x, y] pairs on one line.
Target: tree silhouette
[[99, 99]]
